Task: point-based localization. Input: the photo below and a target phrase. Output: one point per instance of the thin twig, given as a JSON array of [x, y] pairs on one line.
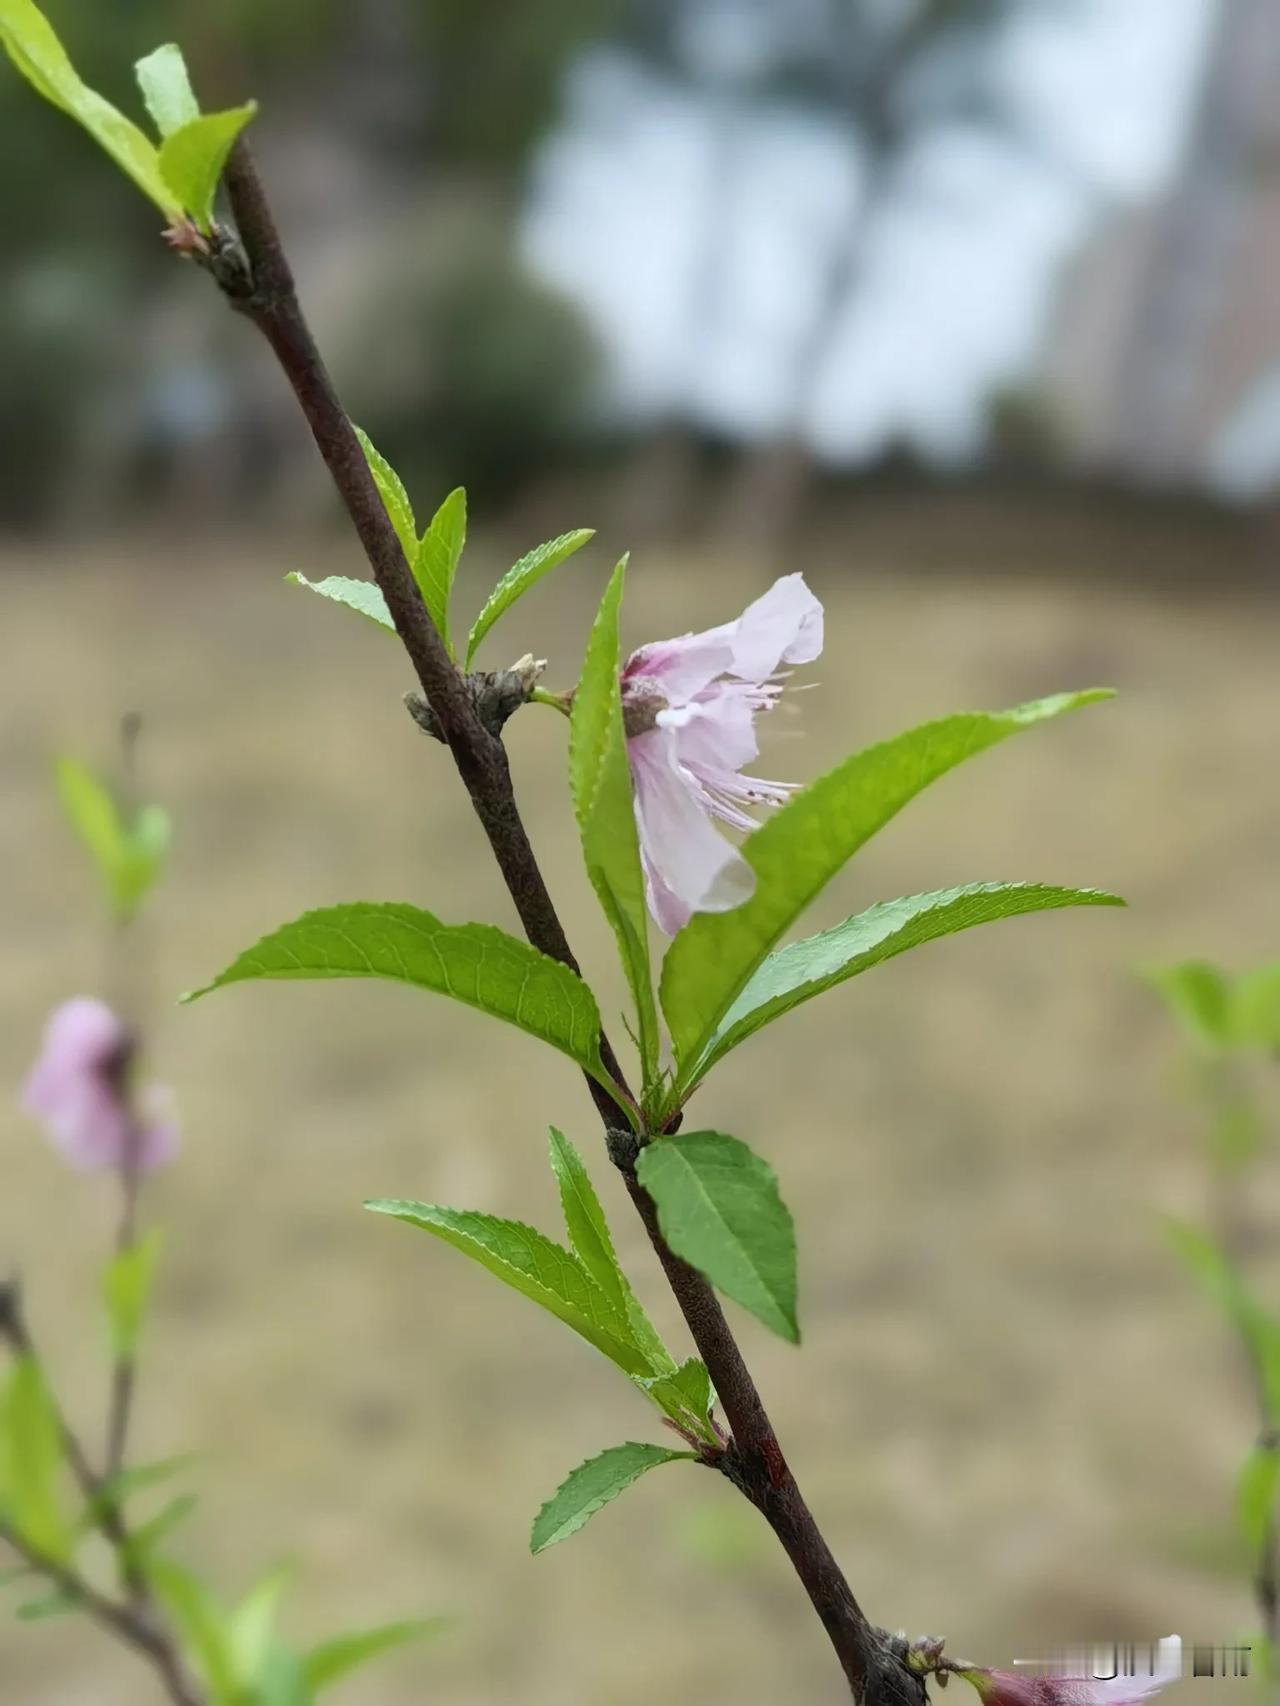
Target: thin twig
[[132, 1623], [259, 282]]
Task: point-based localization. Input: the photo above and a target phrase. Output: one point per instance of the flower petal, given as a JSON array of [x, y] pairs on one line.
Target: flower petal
[[677, 669], [689, 867], [80, 1040], [718, 729], [782, 626]]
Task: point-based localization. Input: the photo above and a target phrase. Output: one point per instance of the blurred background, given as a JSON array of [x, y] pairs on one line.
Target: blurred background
[[967, 309]]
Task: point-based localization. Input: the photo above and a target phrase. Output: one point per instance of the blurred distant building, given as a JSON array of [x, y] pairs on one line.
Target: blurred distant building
[[1165, 361]]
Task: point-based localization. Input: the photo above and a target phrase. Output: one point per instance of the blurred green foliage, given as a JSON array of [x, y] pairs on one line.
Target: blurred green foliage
[[503, 368]]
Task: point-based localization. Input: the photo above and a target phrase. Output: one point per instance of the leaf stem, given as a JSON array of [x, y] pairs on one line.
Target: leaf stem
[[562, 702], [260, 284]]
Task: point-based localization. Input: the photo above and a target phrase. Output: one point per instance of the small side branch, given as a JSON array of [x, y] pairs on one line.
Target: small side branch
[[129, 1622]]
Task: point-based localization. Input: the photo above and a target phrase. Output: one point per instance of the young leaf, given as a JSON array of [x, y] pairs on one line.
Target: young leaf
[[1225, 1286], [600, 779], [476, 964], [115, 1489], [802, 970], [436, 560], [584, 1220], [251, 1626], [364, 597], [33, 46], [281, 1680], [128, 857], [166, 89], [192, 158], [54, 1604], [144, 1539], [592, 1485], [126, 1290], [1256, 1495], [686, 1396], [201, 1622], [31, 1460], [395, 500], [518, 579], [1199, 996], [802, 846], [93, 814], [536, 1267], [719, 1209], [1257, 1008], [589, 1235], [332, 1660]]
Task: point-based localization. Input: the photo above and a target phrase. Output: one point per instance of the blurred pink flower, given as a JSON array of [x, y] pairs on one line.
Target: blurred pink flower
[[689, 708], [78, 1088], [1014, 1688]]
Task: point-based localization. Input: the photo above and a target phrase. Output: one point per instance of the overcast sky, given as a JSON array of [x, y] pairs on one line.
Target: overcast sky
[[697, 233]]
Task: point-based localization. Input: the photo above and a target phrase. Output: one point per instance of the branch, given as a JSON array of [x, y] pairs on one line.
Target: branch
[[259, 283], [130, 1622]]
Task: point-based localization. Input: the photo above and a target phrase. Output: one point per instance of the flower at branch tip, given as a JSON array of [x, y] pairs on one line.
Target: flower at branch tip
[[79, 1088], [689, 707], [1026, 1688]]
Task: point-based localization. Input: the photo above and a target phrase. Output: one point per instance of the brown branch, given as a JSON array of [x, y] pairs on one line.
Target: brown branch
[[132, 1623], [258, 281]]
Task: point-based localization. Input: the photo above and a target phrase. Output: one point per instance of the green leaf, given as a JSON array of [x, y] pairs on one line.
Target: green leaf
[[584, 1220], [55, 1604], [126, 1289], [600, 779], [592, 1485], [117, 1488], [518, 579], [127, 857], [192, 158], [395, 500], [251, 1626], [686, 1397], [364, 597], [802, 970], [536, 1267], [1224, 1285], [1256, 1495], [1199, 997], [166, 88], [93, 814], [436, 560], [589, 1235], [332, 1660], [281, 1680], [719, 1209], [33, 46], [31, 1460], [802, 846], [1257, 1008], [201, 1622], [144, 1539], [477, 964]]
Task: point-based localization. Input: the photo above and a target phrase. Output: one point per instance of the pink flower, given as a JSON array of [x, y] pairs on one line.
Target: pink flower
[[79, 1089], [689, 709], [1014, 1688]]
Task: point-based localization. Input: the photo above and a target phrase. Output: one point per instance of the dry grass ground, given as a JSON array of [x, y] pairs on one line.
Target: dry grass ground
[[1016, 1423]]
